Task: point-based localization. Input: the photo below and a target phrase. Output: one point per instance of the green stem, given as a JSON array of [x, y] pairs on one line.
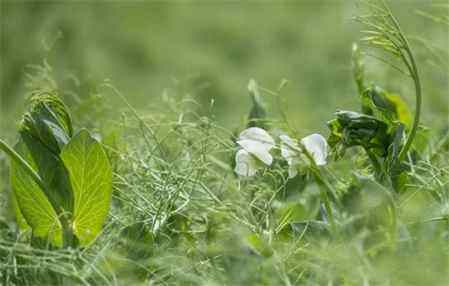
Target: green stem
[[415, 75], [416, 120], [19, 160], [327, 206], [325, 188]]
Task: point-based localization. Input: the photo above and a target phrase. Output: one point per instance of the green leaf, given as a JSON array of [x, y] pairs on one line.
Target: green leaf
[[259, 245], [20, 219], [403, 113], [32, 201], [48, 121], [91, 179], [385, 106], [355, 129], [393, 166], [53, 173]]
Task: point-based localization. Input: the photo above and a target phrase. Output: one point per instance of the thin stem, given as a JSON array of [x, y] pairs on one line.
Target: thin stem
[[19, 160], [392, 32], [327, 205], [325, 188], [418, 92]]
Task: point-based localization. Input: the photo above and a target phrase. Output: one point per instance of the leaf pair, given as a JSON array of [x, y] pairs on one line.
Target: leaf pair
[[76, 178]]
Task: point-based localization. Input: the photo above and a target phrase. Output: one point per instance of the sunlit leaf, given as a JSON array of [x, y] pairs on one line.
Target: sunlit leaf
[[20, 219], [385, 106], [259, 245], [32, 201], [91, 180], [53, 173], [403, 112]]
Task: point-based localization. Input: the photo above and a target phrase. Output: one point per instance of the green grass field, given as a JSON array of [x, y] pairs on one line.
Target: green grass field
[[145, 143]]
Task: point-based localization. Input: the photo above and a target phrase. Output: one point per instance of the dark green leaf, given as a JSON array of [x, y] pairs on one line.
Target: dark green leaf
[[48, 121]]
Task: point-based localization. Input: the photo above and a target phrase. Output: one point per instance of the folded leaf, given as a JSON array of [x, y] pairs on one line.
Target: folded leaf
[[48, 121], [32, 201], [53, 173], [91, 179]]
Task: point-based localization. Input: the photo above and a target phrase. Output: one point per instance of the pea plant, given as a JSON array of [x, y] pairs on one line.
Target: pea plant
[[384, 128], [61, 180], [195, 203]]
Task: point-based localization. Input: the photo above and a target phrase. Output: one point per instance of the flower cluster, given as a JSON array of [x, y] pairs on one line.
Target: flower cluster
[[255, 145]]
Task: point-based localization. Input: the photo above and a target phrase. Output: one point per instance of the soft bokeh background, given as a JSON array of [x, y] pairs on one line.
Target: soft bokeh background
[[211, 49]]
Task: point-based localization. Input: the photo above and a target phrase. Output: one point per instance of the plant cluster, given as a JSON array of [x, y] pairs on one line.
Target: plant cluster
[[176, 199]]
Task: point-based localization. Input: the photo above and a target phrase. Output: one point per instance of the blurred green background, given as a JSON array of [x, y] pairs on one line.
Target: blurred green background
[[210, 49]]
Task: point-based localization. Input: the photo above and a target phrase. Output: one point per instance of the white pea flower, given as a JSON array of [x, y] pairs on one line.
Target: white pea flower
[[256, 144], [245, 164], [290, 151], [315, 144]]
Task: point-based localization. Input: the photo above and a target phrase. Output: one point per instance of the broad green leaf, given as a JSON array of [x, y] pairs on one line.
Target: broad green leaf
[[402, 110], [91, 179], [53, 173], [385, 106], [32, 201], [20, 219]]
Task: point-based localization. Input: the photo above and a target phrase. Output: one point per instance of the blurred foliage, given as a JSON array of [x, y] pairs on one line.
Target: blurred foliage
[[210, 48], [179, 216]]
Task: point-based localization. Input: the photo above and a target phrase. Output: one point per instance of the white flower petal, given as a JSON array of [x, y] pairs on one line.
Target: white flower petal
[[259, 135], [288, 148], [258, 149], [245, 164], [316, 145]]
